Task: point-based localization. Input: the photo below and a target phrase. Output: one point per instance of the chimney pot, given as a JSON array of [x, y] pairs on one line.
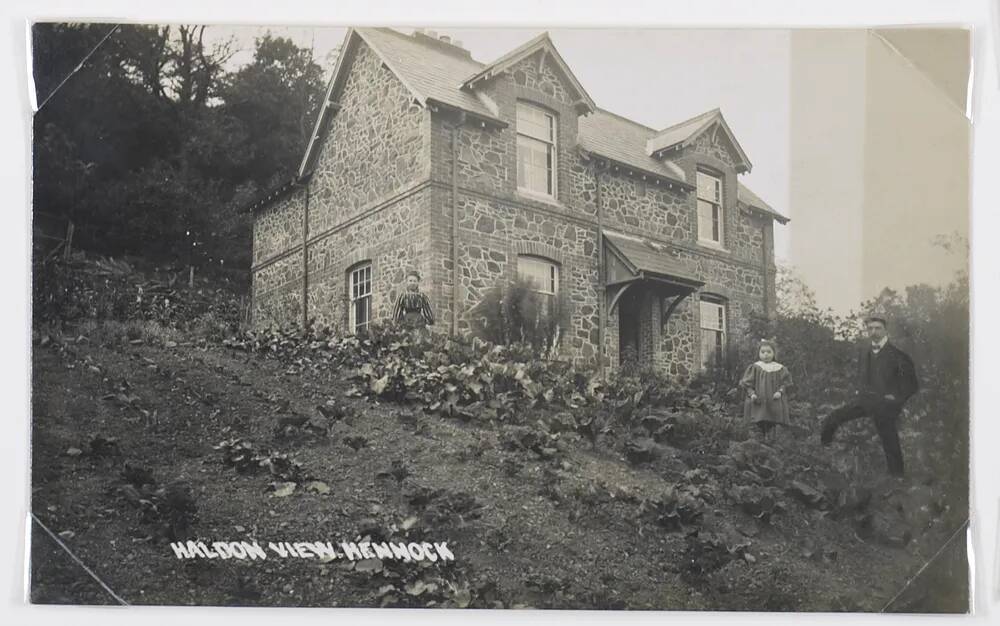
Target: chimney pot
[[445, 38]]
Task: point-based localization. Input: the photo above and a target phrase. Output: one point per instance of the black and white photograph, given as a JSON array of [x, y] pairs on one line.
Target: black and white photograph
[[671, 319]]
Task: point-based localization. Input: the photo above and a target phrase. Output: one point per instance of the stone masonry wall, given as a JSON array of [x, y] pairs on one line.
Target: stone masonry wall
[[394, 240], [376, 145], [748, 242], [631, 205], [487, 157], [492, 234], [277, 287], [716, 146], [278, 228], [375, 152], [277, 292]]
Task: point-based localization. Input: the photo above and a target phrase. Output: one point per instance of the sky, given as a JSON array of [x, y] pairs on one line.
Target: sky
[[656, 77]]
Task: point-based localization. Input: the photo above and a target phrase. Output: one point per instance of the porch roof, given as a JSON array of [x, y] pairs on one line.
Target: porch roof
[[646, 259]]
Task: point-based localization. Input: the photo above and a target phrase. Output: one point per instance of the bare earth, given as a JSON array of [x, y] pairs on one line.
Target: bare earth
[[527, 531]]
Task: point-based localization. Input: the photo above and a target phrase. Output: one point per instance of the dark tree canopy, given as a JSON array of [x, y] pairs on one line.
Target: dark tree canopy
[[156, 145]]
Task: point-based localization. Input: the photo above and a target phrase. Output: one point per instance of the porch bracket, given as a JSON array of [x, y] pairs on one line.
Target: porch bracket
[[673, 306], [618, 294]]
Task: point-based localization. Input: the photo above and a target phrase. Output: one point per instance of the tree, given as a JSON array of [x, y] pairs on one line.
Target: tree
[[154, 147], [275, 99], [795, 297]]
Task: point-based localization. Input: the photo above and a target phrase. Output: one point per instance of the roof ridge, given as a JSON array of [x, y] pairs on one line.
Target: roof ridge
[[425, 43], [700, 116]]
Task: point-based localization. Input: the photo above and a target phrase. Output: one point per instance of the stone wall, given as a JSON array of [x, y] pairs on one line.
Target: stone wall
[[277, 240], [376, 145], [632, 205], [748, 242], [716, 146], [493, 234], [393, 239], [364, 204], [277, 292], [487, 157], [679, 344], [278, 228]]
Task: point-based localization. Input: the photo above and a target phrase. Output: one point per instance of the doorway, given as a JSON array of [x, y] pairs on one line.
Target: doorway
[[629, 332]]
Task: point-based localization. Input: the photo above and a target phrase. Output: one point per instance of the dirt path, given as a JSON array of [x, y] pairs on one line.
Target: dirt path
[[525, 530]]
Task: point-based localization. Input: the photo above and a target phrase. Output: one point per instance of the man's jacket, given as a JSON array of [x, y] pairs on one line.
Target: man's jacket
[[891, 371]]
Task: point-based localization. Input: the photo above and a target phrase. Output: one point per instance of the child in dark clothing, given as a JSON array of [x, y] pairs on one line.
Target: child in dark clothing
[[765, 383]]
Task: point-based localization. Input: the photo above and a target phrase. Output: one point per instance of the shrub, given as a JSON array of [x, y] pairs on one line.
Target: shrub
[[80, 289], [516, 313]]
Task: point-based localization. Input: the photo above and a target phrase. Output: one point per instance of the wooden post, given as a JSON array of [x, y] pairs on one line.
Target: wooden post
[[191, 276]]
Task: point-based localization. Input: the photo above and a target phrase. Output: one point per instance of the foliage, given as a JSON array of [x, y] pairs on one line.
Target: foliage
[[170, 509], [677, 507], [155, 146], [707, 552], [929, 323], [517, 313], [83, 289], [285, 472], [758, 501]]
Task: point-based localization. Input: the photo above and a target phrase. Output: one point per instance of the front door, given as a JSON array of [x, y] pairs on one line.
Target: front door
[[629, 348]]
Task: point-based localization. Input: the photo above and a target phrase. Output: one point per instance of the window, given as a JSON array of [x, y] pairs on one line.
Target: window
[[536, 150], [709, 208], [544, 278], [360, 312], [713, 331], [542, 274]]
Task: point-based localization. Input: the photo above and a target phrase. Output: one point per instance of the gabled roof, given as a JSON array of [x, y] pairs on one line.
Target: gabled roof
[[431, 75], [684, 133], [436, 73], [644, 256], [624, 141], [543, 44], [752, 200], [431, 72]]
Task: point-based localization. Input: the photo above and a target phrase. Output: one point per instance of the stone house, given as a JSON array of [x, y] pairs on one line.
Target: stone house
[[422, 157]]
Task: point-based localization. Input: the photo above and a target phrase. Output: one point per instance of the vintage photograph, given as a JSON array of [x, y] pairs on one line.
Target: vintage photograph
[[629, 319]]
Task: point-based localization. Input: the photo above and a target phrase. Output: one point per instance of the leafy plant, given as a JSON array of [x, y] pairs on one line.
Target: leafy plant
[[676, 508], [517, 313]]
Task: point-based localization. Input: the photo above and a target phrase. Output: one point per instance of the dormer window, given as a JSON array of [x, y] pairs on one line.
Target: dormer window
[[536, 150], [710, 216]]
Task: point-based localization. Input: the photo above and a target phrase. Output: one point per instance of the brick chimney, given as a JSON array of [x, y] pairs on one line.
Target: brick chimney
[[441, 42]]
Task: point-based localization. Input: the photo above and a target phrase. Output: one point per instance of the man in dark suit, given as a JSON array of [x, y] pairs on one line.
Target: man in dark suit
[[886, 380]]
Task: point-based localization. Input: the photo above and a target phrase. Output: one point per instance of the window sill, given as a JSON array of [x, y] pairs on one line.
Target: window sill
[[711, 245], [538, 197]]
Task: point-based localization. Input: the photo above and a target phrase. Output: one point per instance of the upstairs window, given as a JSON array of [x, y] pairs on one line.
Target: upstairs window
[[536, 150], [713, 332], [709, 208], [360, 286]]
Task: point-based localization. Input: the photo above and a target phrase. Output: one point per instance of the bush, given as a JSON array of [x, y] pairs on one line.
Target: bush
[[516, 313], [80, 289]]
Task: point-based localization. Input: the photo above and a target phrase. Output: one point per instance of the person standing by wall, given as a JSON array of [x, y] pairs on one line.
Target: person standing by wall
[[413, 309]]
